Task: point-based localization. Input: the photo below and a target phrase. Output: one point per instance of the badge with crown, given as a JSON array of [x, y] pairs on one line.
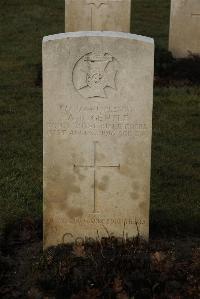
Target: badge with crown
[[95, 72]]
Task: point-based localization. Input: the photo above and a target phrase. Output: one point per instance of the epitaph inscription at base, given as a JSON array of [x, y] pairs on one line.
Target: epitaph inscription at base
[[98, 91]]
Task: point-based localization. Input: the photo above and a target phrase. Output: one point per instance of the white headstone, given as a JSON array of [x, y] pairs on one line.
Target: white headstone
[[184, 36], [98, 96], [97, 15]]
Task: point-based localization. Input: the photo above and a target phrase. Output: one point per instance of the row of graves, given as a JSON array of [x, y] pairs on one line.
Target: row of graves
[[115, 15], [98, 103]]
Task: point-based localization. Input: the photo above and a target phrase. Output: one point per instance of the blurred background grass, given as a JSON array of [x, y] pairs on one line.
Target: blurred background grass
[[175, 207]]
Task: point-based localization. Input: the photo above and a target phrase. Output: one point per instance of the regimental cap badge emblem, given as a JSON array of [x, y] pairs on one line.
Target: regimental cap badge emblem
[[94, 73]]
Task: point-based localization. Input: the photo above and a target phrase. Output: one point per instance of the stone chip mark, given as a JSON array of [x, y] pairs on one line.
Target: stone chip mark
[[103, 185]]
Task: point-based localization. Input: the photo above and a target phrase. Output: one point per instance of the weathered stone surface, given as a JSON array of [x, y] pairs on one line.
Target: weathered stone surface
[[97, 15], [98, 94], [184, 36]]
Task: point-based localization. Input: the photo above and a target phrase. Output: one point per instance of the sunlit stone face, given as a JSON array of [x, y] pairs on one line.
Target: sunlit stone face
[[98, 96], [184, 35], [97, 15]]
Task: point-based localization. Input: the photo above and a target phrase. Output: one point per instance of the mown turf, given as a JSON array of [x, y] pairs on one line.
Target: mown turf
[[151, 18], [23, 25], [175, 159], [175, 206]]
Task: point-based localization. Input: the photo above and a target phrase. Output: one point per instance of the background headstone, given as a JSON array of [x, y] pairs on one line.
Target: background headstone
[[98, 96], [184, 36], [97, 15]]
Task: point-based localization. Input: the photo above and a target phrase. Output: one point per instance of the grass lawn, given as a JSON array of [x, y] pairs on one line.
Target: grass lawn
[[175, 161]]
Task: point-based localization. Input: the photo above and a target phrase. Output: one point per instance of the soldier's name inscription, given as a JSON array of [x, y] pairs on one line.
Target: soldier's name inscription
[[96, 120]]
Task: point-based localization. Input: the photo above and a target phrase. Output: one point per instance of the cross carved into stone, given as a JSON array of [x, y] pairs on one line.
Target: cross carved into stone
[[195, 14], [95, 167], [97, 4]]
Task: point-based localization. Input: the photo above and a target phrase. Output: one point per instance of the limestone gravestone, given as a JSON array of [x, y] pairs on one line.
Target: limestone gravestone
[[98, 94], [184, 36], [97, 15]]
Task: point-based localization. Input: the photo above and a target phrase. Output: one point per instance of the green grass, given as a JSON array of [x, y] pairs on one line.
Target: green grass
[[151, 18], [175, 159], [175, 205], [24, 23]]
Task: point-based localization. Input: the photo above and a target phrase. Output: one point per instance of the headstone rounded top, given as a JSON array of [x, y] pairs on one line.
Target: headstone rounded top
[[99, 34], [98, 101]]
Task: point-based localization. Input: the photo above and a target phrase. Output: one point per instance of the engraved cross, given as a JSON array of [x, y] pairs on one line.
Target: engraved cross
[[195, 14], [97, 4], [95, 167]]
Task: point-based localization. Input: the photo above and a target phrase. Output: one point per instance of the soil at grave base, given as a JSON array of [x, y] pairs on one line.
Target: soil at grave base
[[107, 269]]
